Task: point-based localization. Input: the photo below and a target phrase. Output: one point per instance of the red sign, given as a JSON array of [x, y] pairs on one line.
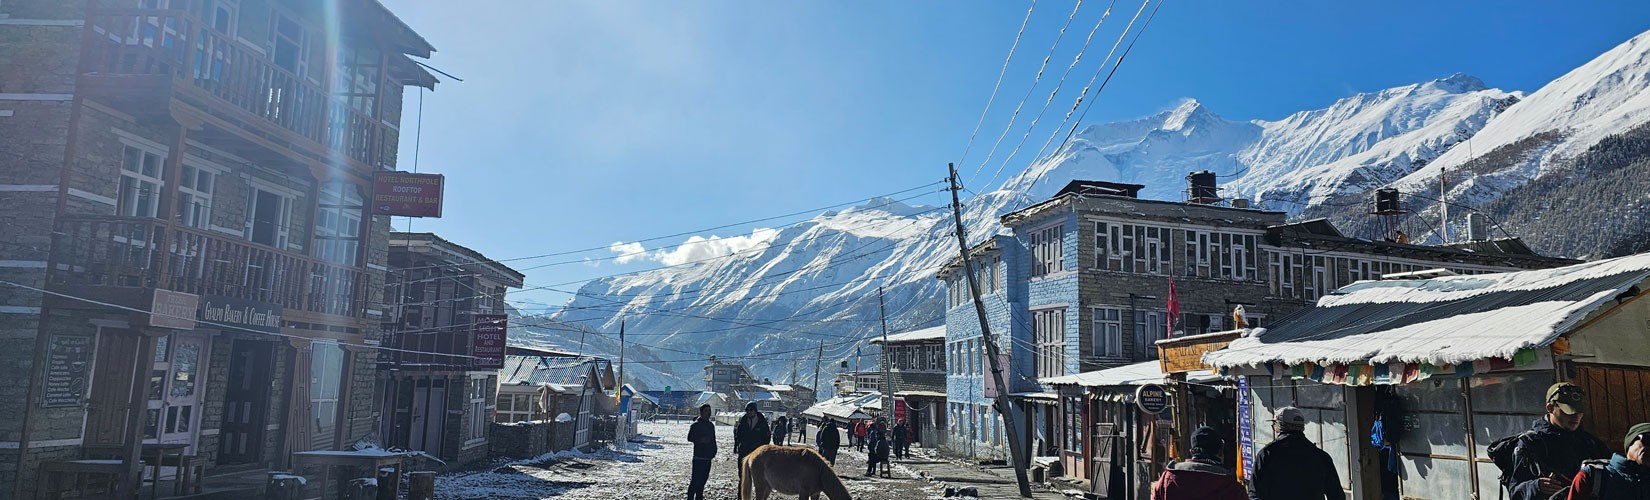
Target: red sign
[[487, 340], [407, 194], [899, 409]]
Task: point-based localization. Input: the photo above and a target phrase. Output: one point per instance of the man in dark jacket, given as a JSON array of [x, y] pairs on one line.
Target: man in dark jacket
[[703, 436], [828, 440], [1291, 467], [1546, 459], [876, 447], [781, 430], [1202, 477], [901, 438], [750, 433], [1624, 477]]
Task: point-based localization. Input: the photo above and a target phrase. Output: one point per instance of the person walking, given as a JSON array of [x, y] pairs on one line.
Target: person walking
[[828, 440], [703, 436], [901, 438], [1546, 458], [1291, 467], [781, 430], [876, 443], [1625, 476], [1202, 477], [861, 427], [750, 433]]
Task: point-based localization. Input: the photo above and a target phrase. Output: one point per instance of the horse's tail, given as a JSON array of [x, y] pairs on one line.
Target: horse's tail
[[746, 487]]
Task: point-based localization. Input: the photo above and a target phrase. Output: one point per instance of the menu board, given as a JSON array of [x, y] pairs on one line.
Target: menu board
[[68, 362]]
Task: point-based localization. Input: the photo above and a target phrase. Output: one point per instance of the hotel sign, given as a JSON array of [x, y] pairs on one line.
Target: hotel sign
[[238, 313], [487, 341], [407, 194]]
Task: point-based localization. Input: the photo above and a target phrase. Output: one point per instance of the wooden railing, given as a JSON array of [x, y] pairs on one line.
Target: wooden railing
[[159, 42], [126, 251]]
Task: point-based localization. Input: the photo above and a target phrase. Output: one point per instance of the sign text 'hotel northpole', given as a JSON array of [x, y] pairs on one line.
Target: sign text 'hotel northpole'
[[240, 313], [407, 194]]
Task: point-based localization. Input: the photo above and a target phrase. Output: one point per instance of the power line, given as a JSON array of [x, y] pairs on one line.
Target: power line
[[1081, 96], [1034, 82], [999, 84], [1109, 75]]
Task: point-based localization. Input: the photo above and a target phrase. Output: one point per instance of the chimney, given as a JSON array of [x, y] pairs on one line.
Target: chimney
[[1240, 203], [1477, 229], [1200, 188]]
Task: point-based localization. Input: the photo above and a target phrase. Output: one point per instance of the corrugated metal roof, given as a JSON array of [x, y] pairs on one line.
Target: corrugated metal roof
[[756, 396], [1148, 372], [934, 333], [843, 407], [1448, 320], [535, 370]]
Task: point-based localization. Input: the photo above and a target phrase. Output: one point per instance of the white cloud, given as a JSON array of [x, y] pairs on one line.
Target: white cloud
[[628, 252], [695, 248]]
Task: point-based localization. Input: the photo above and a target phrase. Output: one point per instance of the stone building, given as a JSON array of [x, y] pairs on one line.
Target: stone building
[[440, 297], [720, 376], [1083, 284], [916, 371], [186, 255]]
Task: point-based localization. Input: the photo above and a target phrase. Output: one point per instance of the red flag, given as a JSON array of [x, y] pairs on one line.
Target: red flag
[[1174, 307]]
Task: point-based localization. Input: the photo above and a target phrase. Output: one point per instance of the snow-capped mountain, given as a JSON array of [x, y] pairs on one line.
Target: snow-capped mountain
[[817, 282]]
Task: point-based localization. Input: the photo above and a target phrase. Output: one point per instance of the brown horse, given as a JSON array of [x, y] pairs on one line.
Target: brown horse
[[789, 470]]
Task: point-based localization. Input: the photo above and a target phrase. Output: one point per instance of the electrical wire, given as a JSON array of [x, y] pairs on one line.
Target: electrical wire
[[1034, 82], [999, 84]]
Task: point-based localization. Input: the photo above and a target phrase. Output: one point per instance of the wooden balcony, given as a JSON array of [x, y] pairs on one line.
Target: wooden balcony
[[147, 61], [138, 252]]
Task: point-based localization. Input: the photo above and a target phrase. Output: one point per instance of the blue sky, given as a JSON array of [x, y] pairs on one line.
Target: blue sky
[[585, 124]]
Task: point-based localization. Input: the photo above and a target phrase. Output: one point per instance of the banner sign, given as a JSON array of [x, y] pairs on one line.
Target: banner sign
[[407, 194], [241, 313], [487, 340], [1246, 430]]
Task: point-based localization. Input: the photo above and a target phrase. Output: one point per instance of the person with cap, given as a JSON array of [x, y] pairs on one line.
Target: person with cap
[[1547, 457], [750, 433], [703, 436], [1624, 477], [1202, 477], [1291, 467]]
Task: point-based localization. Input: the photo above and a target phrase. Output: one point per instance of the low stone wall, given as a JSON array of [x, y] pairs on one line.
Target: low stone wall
[[530, 439]]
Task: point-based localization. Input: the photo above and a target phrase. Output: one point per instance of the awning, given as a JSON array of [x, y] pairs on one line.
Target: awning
[[1148, 372]]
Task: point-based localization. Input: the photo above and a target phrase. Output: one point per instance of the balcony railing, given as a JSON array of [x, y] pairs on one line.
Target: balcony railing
[[203, 61], [124, 251]]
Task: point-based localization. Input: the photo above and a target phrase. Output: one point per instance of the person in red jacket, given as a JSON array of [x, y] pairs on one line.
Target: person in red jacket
[[1202, 477]]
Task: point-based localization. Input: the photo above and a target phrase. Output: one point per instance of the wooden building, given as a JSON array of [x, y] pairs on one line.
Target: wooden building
[[189, 255]]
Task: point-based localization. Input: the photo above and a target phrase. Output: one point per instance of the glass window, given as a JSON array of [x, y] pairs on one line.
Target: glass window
[[326, 383], [1108, 332], [195, 196], [338, 223], [140, 183]]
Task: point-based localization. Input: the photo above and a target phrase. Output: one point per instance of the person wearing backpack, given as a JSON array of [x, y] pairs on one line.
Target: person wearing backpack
[[1545, 459], [1624, 477], [1291, 467]]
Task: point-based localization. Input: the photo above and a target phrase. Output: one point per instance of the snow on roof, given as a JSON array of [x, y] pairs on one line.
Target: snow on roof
[[843, 407], [1446, 320], [757, 396], [932, 333], [1147, 372], [536, 370], [774, 387]]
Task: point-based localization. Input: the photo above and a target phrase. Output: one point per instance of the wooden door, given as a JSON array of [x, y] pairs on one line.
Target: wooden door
[[111, 387], [1618, 397], [246, 402], [1104, 443]]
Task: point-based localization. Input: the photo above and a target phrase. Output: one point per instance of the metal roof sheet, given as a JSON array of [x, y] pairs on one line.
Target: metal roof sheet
[[933, 333], [1446, 320]]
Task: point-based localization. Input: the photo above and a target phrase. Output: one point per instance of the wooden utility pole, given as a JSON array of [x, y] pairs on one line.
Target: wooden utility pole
[[1004, 407], [818, 360]]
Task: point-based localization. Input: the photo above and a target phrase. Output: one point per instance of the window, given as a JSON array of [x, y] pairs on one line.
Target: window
[[1074, 425], [140, 183], [326, 382], [478, 409], [1108, 332], [1149, 327], [1047, 253], [1049, 331], [516, 408], [195, 196], [268, 217], [358, 77], [338, 223]]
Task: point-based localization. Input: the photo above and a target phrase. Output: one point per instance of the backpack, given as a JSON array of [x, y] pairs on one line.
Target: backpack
[[1501, 451]]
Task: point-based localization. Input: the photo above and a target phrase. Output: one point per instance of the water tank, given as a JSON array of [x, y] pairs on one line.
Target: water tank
[[1200, 188], [1240, 203], [1477, 229], [1386, 201]]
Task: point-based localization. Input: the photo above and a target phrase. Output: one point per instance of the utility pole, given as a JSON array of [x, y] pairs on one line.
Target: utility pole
[[1002, 404], [818, 360], [887, 377], [1443, 202]]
